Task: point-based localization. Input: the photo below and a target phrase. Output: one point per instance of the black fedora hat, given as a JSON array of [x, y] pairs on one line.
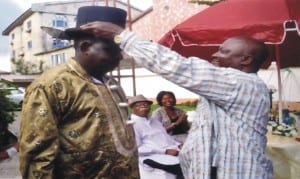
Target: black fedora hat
[[87, 14]]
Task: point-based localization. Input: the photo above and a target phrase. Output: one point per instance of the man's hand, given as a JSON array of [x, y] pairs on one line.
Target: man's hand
[[180, 146], [102, 29], [173, 152]]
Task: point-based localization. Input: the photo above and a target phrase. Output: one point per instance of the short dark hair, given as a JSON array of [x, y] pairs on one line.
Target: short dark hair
[[161, 94], [79, 39], [259, 51]]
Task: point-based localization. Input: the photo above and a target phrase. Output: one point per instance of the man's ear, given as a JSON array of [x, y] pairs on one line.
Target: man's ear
[[247, 60]]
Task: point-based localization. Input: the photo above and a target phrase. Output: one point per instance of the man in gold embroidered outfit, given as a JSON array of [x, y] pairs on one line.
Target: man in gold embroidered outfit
[[74, 117]]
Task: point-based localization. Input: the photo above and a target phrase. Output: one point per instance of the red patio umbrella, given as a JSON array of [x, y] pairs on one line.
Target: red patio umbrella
[[201, 34], [276, 22]]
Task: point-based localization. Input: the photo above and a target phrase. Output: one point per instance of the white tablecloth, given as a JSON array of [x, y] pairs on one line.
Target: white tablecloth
[[285, 155]]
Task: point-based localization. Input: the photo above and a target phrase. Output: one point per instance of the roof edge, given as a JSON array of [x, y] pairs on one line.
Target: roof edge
[[18, 21], [54, 50], [147, 11]]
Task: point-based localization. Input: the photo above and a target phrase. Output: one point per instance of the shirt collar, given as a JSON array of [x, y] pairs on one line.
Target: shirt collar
[[99, 82], [77, 68], [136, 117]]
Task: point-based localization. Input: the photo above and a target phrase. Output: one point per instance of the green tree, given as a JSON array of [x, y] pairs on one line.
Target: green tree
[[26, 68], [6, 116]]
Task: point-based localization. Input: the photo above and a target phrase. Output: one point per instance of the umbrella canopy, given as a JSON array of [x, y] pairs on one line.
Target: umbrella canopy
[[275, 22]]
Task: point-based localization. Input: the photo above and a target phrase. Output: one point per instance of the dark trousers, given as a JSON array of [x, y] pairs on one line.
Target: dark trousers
[[213, 173], [174, 169]]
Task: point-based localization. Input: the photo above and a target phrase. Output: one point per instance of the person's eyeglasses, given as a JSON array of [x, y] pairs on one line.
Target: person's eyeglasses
[[145, 104]]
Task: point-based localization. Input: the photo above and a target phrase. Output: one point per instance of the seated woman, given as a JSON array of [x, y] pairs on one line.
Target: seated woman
[[161, 154], [173, 119]]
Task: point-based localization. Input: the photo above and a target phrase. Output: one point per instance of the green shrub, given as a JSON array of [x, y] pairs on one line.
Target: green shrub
[[6, 113], [297, 113], [6, 107], [180, 106], [192, 103]]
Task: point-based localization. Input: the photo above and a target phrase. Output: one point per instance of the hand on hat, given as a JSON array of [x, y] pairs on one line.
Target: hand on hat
[[102, 29]]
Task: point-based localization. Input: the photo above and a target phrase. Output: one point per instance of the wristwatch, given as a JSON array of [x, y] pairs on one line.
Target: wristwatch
[[118, 39]]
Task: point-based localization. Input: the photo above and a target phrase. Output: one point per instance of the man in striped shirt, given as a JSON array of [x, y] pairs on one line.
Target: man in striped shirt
[[228, 135]]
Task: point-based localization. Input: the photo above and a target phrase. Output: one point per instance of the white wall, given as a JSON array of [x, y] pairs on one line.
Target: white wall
[[149, 84], [290, 80]]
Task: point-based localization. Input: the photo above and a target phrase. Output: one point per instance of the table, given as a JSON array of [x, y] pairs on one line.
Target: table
[[285, 155]]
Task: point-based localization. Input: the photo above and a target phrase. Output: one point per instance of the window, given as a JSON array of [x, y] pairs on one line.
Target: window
[[28, 28], [58, 59], [29, 25], [13, 54], [12, 36], [59, 43], [29, 44], [63, 59], [60, 21]]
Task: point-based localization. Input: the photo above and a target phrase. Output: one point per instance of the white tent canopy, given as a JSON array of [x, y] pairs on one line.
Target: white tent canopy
[[290, 83]]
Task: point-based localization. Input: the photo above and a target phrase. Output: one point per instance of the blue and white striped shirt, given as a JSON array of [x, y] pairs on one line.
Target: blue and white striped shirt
[[229, 130]]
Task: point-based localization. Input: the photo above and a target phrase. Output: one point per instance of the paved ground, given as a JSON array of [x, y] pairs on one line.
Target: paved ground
[[9, 168]]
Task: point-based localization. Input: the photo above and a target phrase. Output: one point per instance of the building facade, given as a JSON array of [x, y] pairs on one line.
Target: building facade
[[163, 16], [35, 48], [30, 43]]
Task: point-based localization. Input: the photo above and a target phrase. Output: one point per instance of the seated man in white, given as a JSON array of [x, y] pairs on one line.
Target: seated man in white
[[156, 147]]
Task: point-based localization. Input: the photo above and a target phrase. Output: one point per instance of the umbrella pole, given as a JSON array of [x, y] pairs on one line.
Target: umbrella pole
[[279, 85]]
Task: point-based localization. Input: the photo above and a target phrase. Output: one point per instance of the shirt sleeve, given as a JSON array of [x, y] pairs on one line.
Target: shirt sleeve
[[157, 115], [173, 144], [39, 135], [194, 74]]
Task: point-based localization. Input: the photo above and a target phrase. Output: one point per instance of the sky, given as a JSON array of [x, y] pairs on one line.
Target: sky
[[11, 9]]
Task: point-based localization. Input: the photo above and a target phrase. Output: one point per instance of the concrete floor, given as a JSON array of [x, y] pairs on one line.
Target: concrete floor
[[9, 168]]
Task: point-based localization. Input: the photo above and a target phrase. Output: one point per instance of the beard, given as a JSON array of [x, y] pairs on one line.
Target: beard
[[100, 70], [111, 66]]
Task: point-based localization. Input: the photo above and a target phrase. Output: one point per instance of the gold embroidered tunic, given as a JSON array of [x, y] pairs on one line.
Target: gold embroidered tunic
[[73, 127]]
